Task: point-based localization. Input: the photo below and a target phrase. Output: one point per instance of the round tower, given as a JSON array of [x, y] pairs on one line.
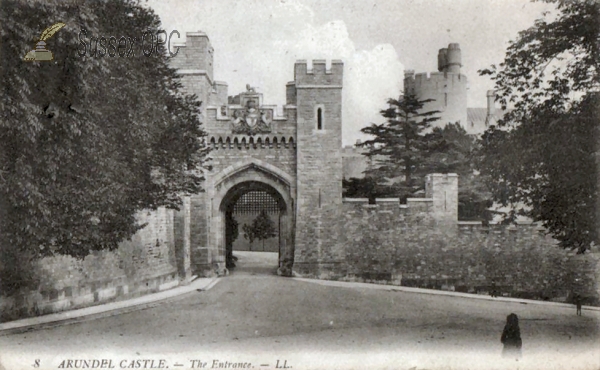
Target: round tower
[[442, 59], [453, 59], [447, 88]]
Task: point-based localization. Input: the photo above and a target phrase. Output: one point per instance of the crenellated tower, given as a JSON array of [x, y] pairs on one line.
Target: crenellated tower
[[448, 87], [317, 93], [194, 62]]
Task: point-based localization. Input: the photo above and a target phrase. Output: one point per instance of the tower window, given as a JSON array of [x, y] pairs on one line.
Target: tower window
[[319, 118]]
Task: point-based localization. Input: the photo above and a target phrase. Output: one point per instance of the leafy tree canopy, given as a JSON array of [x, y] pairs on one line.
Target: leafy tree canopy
[[262, 228], [86, 142], [540, 158], [402, 146], [407, 147]]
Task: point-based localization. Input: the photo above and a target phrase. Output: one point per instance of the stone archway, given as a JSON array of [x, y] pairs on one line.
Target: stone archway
[[235, 181], [231, 199]]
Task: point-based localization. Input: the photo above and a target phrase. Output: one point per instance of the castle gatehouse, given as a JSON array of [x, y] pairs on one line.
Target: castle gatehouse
[[288, 164], [290, 157]]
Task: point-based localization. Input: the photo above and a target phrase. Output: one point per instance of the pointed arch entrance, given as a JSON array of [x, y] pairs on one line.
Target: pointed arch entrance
[[234, 182]]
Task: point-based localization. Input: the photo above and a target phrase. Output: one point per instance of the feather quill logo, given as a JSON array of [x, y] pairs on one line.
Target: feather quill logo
[[40, 53]]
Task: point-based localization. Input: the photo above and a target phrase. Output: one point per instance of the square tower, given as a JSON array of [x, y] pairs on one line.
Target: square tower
[[318, 95], [194, 61]]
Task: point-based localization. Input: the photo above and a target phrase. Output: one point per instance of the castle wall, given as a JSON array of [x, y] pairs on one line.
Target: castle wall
[[201, 256], [389, 243], [145, 264]]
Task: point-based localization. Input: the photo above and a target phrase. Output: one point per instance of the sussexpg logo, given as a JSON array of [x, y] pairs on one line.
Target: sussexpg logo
[[147, 44], [40, 53]]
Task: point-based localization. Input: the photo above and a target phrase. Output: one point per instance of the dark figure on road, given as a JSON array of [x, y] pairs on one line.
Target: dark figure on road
[[511, 337], [493, 290], [577, 300]]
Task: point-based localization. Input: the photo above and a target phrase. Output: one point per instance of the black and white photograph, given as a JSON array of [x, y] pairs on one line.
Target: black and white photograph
[[300, 184]]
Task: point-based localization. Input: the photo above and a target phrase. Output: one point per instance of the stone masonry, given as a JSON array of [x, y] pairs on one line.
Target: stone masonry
[[145, 264]]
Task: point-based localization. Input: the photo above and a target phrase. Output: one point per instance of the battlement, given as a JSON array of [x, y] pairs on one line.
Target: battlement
[[319, 74], [428, 78]]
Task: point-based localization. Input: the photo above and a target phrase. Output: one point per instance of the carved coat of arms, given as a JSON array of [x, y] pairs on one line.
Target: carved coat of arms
[[251, 121]]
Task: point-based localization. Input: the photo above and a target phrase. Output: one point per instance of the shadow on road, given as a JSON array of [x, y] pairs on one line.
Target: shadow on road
[[255, 263]]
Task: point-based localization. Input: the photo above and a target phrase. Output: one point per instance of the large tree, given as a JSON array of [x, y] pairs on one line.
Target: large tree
[[407, 147], [401, 148], [540, 157], [88, 141]]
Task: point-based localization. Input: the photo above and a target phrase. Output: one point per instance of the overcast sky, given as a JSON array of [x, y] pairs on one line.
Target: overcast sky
[[257, 41]]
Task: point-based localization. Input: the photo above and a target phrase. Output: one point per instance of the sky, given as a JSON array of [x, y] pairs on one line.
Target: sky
[[256, 42]]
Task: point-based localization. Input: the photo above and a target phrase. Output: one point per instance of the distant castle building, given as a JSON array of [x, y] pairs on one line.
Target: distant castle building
[[448, 89]]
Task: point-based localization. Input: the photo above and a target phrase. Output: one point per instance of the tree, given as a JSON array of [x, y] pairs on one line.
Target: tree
[[262, 228], [540, 157], [88, 141], [402, 146], [407, 147]]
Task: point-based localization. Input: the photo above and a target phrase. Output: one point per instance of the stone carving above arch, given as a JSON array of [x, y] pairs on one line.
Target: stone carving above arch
[[250, 120]]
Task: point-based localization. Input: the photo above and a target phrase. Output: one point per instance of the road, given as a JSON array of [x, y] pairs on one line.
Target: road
[[253, 318]]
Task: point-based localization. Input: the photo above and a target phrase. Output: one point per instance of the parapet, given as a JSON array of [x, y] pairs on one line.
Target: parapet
[[421, 82], [318, 75], [423, 78], [197, 39]]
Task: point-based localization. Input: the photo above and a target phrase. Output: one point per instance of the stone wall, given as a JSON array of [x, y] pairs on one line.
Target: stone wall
[[394, 244], [145, 264], [319, 165], [283, 157]]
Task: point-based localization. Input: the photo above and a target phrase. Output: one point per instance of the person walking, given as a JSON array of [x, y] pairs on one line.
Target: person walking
[[577, 300], [511, 338]]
